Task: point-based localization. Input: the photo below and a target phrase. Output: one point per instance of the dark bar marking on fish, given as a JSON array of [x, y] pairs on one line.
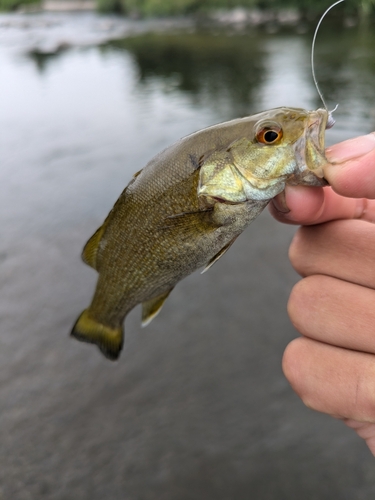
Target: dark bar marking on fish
[[194, 161]]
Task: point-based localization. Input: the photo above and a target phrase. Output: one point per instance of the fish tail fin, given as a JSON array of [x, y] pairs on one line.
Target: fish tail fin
[[109, 340]]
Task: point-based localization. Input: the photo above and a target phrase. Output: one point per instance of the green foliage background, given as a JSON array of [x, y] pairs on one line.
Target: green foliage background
[[8, 5], [182, 7]]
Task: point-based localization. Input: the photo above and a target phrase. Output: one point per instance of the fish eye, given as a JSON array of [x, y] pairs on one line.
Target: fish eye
[[269, 134]]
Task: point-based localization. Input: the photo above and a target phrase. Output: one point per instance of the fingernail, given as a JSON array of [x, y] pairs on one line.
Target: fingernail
[[279, 202], [353, 148]]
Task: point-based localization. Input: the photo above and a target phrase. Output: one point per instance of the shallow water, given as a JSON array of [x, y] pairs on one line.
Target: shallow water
[[197, 407], [75, 125]]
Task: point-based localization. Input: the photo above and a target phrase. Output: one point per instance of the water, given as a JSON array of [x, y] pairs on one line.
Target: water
[[85, 116], [197, 406]]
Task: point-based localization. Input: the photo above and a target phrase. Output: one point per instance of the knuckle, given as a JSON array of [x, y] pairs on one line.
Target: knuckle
[[305, 250], [296, 252], [291, 364], [300, 304], [364, 396], [293, 305], [295, 359]]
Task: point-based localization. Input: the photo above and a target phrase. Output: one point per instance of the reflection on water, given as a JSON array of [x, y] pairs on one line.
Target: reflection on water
[[75, 125], [197, 407], [222, 71], [346, 70]]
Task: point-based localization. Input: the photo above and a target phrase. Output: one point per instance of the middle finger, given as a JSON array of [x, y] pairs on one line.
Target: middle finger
[[344, 249]]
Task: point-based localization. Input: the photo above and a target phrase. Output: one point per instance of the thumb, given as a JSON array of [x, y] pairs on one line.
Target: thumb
[[351, 171]]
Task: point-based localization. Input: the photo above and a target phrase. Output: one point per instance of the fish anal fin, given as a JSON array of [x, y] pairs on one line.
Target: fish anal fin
[[90, 251], [109, 340], [216, 257], [152, 307]]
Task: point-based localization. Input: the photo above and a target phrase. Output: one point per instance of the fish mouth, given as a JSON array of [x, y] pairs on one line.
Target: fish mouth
[[309, 151]]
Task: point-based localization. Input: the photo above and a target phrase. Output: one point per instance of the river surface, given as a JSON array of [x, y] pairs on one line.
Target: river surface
[[197, 406]]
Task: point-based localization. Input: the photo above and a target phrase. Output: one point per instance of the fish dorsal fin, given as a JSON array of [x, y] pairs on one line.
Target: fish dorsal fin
[[216, 257], [137, 173], [152, 307], [89, 254], [90, 251]]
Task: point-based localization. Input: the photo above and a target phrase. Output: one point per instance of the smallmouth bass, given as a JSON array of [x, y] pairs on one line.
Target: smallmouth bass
[[186, 208]]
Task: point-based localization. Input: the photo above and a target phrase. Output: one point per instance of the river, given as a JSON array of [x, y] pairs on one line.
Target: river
[[197, 407]]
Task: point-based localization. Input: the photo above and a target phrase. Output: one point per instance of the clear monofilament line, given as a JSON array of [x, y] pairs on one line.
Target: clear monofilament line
[[312, 54]]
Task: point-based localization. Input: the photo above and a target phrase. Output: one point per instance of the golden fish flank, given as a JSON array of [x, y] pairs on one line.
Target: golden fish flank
[[187, 206]]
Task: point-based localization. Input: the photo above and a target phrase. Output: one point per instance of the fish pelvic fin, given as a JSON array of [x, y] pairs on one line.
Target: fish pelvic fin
[[152, 307], [216, 257], [109, 340], [90, 251]]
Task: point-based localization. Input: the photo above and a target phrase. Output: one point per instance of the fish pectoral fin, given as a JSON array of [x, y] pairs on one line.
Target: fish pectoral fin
[[90, 251], [186, 220], [216, 257], [109, 340], [152, 307]]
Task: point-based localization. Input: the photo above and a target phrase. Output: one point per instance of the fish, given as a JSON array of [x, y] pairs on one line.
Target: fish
[[187, 206]]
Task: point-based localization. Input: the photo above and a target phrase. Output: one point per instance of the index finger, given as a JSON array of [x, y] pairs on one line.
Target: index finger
[[316, 205]]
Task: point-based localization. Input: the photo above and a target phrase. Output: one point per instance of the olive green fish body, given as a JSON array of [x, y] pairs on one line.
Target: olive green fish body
[[187, 206]]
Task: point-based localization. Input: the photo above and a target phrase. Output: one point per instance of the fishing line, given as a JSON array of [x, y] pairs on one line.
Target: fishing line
[[331, 120]]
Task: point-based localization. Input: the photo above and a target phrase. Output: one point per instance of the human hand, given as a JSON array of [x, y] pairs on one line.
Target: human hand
[[332, 366]]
